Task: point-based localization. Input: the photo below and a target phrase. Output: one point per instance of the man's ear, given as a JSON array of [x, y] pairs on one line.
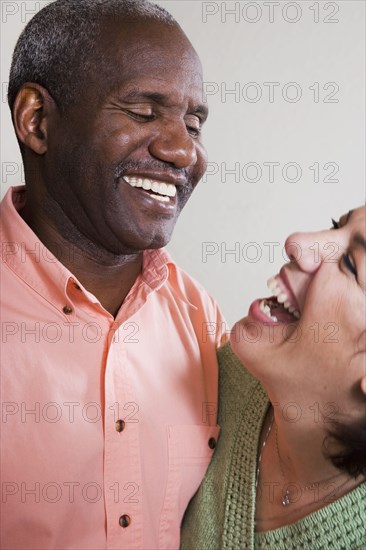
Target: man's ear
[[31, 112]]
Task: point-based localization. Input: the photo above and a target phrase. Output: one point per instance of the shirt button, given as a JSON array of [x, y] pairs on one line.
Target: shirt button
[[212, 442], [124, 521], [67, 310], [120, 425]]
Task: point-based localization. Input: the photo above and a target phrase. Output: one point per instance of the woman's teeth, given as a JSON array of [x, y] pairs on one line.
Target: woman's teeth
[[161, 191], [263, 306], [282, 297]]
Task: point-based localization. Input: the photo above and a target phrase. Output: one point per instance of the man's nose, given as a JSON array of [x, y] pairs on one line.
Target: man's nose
[[309, 250], [174, 145]]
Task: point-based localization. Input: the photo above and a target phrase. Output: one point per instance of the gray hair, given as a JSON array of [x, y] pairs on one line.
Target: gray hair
[[57, 47]]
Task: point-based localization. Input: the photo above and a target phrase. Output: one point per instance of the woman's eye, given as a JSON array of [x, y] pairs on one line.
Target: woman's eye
[[349, 264], [335, 224]]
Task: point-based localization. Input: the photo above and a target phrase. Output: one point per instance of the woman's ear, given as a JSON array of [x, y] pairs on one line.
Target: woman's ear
[[32, 108]]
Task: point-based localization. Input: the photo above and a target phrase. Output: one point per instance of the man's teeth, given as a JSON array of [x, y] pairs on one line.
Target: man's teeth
[[160, 198], [163, 190], [282, 296]]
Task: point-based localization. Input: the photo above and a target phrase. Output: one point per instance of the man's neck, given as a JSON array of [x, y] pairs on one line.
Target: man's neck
[[110, 284], [108, 276]]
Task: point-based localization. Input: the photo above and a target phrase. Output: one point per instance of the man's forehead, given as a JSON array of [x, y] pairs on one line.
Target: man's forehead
[[159, 62], [141, 37], [133, 60]]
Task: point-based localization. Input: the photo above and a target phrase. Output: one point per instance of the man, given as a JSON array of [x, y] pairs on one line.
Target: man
[[109, 373]]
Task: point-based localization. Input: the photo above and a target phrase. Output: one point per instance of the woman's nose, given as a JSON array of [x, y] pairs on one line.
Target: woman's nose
[[309, 250]]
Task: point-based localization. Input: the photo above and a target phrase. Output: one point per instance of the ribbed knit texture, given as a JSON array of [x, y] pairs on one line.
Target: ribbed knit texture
[[221, 514]]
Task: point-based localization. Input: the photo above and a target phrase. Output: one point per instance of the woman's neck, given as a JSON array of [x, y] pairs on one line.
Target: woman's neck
[[294, 477]]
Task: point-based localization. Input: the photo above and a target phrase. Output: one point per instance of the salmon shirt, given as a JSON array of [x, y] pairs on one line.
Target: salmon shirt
[[107, 424]]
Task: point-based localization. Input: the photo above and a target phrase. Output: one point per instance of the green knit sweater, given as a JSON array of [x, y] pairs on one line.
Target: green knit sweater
[[221, 514]]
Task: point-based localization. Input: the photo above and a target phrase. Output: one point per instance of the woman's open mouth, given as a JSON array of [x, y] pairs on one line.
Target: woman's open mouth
[[282, 307]]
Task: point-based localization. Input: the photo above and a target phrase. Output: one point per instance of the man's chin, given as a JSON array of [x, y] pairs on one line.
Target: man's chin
[[139, 243]]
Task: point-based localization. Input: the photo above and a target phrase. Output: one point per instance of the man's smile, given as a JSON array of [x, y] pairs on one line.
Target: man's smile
[[160, 191], [150, 194]]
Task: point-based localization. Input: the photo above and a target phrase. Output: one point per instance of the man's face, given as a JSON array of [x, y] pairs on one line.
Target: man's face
[[136, 127]]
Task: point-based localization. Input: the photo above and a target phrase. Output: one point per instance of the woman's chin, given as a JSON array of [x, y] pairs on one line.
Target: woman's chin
[[262, 330], [246, 339], [256, 341], [253, 345]]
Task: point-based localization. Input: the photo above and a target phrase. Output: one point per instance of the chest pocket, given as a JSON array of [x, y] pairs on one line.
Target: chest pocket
[[190, 451]]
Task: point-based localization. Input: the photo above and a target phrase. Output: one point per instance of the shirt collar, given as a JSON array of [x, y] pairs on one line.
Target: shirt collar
[[26, 255], [158, 267]]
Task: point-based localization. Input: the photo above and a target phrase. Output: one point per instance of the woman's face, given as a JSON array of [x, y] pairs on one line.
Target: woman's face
[[317, 334]]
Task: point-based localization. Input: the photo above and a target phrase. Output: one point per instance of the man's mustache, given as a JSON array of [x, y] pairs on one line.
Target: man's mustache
[[133, 167]]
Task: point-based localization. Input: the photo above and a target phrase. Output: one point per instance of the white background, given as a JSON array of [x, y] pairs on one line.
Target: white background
[[294, 46]]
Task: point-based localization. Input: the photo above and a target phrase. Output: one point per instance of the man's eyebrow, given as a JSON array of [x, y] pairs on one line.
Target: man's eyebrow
[[134, 95], [360, 240]]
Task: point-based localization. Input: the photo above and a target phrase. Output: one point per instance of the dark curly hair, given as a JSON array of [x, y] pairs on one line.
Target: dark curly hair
[[350, 440]]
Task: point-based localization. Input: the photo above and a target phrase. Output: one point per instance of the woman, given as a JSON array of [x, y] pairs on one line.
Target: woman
[[289, 469]]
